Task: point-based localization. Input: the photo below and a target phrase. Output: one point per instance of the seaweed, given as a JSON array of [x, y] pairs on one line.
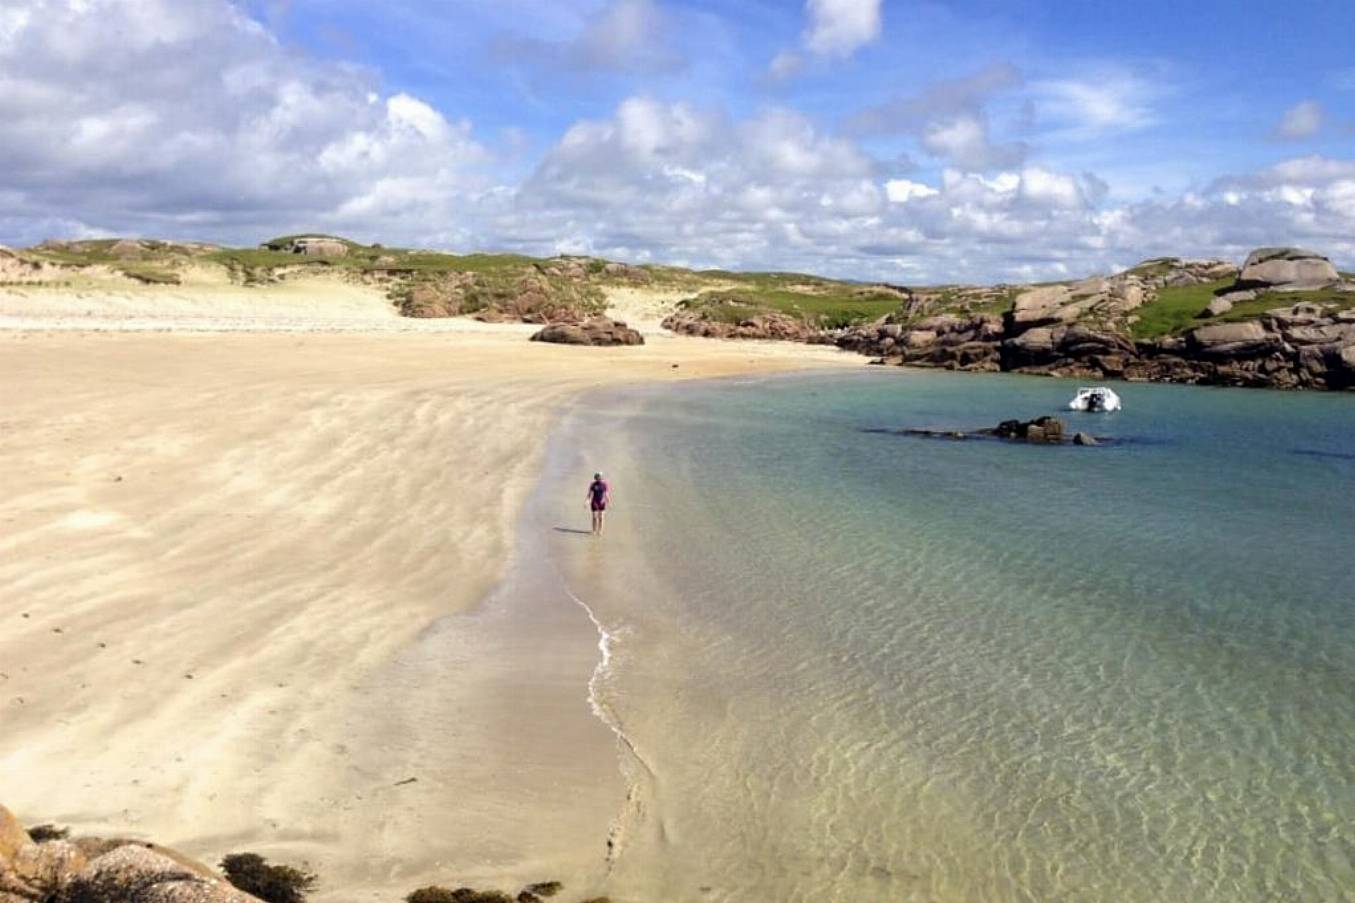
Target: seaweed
[[252, 874]]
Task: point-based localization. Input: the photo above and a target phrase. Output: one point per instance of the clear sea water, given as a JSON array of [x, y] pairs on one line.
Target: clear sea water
[[854, 666]]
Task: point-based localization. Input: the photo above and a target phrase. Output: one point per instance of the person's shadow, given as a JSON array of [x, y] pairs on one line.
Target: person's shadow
[[572, 530]]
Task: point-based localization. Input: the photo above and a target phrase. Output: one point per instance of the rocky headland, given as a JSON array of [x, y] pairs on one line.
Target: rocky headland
[[1284, 318]]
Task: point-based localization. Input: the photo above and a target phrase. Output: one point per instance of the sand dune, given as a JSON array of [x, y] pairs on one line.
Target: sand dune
[[215, 546]]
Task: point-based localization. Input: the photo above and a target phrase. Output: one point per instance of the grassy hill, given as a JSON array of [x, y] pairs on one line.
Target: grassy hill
[[428, 283]]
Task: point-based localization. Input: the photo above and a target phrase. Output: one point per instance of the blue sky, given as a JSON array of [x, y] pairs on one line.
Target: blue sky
[[911, 141]]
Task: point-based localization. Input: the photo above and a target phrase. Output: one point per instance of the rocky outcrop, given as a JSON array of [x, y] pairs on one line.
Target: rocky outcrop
[[625, 271], [1109, 300], [528, 296], [599, 331], [441, 297], [1216, 308], [583, 269], [91, 870], [1287, 270], [767, 325], [310, 246], [135, 874], [945, 340], [1082, 329]]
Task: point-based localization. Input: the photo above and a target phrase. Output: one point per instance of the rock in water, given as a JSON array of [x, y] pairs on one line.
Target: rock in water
[[1287, 269], [1045, 429], [1041, 429], [600, 331]]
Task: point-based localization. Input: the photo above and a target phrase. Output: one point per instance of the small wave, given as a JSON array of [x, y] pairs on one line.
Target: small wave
[[1318, 453], [634, 813], [605, 714]]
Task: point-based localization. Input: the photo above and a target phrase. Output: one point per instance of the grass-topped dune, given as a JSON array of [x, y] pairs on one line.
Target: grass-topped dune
[[1161, 307]]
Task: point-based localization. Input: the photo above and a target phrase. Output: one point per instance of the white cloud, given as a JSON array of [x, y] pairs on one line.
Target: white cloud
[[964, 141], [1057, 190], [191, 120], [1303, 120], [835, 30], [840, 27], [901, 191], [626, 36], [949, 120], [1108, 101], [191, 117], [785, 64]]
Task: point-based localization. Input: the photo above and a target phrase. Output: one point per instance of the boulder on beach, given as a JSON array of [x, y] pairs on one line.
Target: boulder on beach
[[600, 331], [135, 874], [93, 870], [1287, 269]]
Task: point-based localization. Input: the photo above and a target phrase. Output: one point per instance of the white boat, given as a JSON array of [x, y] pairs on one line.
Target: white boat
[[1094, 398]]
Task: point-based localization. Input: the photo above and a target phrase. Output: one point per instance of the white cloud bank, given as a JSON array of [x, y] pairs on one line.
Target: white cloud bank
[[170, 116], [190, 120]]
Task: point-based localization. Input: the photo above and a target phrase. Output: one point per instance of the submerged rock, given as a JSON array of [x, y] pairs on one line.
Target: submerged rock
[[1041, 429]]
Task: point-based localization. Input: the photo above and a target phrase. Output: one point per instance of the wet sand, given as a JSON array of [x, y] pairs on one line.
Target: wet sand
[[247, 587]]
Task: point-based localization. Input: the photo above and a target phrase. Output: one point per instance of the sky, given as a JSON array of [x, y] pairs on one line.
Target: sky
[[913, 142]]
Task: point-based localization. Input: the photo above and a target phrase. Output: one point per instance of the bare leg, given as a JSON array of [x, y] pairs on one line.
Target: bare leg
[[601, 516]]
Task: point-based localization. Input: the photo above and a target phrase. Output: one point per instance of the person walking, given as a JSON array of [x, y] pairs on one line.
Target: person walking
[[599, 494]]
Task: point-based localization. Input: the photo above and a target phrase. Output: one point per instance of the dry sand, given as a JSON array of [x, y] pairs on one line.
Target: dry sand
[[242, 576]]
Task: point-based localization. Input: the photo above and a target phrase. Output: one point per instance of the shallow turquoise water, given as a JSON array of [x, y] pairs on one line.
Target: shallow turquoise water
[[860, 666]]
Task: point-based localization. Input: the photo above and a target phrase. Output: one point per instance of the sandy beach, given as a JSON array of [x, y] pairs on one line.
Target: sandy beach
[[222, 559]]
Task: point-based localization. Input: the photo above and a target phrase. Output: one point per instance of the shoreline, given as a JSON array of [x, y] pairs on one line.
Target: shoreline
[[203, 505]]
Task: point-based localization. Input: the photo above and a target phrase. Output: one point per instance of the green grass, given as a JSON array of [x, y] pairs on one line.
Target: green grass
[[360, 257], [835, 306], [157, 270], [1174, 309], [1158, 266], [998, 306], [967, 301], [1248, 310], [148, 273]]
